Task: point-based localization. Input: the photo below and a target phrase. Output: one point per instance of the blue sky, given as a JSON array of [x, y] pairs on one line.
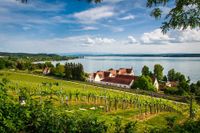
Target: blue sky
[[72, 26]]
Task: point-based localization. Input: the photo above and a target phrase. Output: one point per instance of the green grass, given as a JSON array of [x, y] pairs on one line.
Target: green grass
[[19, 80]]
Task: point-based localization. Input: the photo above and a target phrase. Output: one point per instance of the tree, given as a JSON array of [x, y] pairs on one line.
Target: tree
[[74, 71], [180, 77], [183, 88], [48, 64], [171, 75], [165, 78], [195, 90], [68, 73], [145, 71], [185, 13], [144, 83], [2, 64], [158, 71], [58, 70], [20, 65]]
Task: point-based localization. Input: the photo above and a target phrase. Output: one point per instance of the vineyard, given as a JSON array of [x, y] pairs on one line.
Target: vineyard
[[76, 97]]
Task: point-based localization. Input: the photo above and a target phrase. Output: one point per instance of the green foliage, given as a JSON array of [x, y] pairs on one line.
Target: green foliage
[[5, 81], [145, 71], [118, 125], [37, 117], [170, 121], [190, 126], [195, 90], [156, 13], [165, 78], [22, 61], [145, 83], [183, 87], [158, 71], [58, 70], [74, 71], [184, 13], [130, 127], [171, 75], [180, 77], [171, 90], [34, 57], [91, 125], [44, 114], [2, 63]]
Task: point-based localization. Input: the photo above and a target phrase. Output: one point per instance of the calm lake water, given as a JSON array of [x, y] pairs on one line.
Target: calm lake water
[[189, 66]]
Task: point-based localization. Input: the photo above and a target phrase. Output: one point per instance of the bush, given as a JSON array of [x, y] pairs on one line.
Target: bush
[[171, 90], [190, 126]]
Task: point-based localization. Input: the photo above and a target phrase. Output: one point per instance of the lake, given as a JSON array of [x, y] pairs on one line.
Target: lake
[[189, 66]]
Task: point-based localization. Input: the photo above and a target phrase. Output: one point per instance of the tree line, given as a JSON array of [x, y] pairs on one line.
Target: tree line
[[69, 71], [181, 87], [145, 81], [25, 61]]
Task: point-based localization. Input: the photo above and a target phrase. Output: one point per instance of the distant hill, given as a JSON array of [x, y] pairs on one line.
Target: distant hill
[[35, 57], [146, 55], [26, 54]]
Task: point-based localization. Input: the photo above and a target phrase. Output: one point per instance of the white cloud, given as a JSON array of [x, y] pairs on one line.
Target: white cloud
[[87, 43], [94, 14], [65, 44], [89, 28], [188, 35], [91, 41], [131, 40], [155, 37], [129, 17], [175, 36]]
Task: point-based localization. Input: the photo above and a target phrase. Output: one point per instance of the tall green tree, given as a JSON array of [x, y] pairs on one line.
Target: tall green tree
[[74, 71], [2, 64], [171, 75], [158, 71], [145, 71]]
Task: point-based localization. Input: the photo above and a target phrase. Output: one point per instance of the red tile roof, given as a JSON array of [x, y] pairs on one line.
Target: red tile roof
[[102, 74], [113, 72], [127, 77], [120, 79], [125, 71]]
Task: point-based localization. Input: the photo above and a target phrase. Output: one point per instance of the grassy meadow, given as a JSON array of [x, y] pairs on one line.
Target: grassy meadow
[[106, 104]]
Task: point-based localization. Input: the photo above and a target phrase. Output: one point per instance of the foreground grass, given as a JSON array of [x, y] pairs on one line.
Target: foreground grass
[[34, 84]]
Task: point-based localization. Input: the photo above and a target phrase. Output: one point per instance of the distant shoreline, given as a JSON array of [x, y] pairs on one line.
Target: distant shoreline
[[103, 54], [145, 55]]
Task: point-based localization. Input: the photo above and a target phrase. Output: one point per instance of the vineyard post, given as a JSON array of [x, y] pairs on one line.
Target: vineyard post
[[40, 94], [106, 106], [192, 115], [115, 103], [145, 107], [150, 108], [109, 104], [123, 102], [61, 96]]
